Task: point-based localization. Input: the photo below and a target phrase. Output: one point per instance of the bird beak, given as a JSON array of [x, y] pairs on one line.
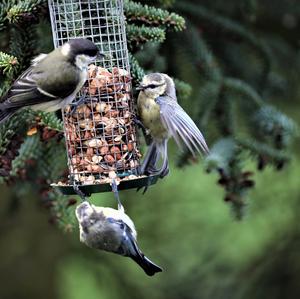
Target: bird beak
[[141, 87]]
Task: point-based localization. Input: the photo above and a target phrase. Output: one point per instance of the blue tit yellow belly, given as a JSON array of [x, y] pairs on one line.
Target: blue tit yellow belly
[[149, 112]]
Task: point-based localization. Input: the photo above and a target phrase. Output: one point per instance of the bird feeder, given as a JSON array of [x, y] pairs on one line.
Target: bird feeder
[[101, 135]]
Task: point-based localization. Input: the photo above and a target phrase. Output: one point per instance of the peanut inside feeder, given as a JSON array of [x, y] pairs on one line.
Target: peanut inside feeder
[[100, 134]]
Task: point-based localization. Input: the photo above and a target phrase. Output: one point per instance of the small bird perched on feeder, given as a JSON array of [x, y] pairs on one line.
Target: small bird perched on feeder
[[53, 80], [163, 118], [111, 230]]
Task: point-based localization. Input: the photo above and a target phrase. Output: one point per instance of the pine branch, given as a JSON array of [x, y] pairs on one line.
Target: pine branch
[[241, 88], [138, 35], [23, 44], [4, 7], [225, 158], [230, 29], [270, 122], [183, 89], [136, 12], [53, 160], [7, 63], [262, 149], [30, 150], [221, 155], [25, 11], [201, 55], [50, 120], [16, 125], [137, 71]]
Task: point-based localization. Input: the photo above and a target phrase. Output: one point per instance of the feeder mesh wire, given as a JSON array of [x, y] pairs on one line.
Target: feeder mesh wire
[[100, 135]]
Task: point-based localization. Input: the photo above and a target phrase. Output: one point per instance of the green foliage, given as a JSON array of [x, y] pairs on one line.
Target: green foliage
[[233, 66], [30, 150], [142, 34], [24, 10], [16, 126], [50, 120], [7, 63], [136, 12]]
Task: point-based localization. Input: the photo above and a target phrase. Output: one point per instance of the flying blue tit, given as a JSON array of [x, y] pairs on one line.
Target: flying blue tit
[[163, 117], [111, 230], [53, 80]]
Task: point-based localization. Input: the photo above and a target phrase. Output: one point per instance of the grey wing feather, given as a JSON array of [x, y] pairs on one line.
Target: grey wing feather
[[181, 126], [128, 245], [25, 92]]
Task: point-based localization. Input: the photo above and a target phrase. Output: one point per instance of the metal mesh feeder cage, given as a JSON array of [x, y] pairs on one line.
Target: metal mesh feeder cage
[[101, 136]]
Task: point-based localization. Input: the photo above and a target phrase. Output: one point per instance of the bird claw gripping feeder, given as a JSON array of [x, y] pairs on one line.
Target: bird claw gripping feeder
[[100, 133]]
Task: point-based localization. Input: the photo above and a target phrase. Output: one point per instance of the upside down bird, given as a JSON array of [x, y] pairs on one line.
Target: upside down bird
[[53, 80], [111, 230], [163, 118]]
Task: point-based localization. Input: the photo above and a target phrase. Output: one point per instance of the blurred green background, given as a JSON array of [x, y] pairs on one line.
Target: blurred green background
[[183, 225]]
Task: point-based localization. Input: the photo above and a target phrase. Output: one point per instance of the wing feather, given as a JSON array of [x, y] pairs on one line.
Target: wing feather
[[34, 86], [181, 126]]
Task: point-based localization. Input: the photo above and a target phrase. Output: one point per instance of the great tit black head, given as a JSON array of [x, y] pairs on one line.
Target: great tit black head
[[82, 48]]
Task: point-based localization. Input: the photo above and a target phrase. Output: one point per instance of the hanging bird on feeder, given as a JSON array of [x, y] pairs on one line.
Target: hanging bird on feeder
[[53, 80], [163, 117], [111, 230]]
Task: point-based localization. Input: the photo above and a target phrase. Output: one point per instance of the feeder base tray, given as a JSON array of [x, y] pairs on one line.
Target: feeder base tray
[[139, 182]]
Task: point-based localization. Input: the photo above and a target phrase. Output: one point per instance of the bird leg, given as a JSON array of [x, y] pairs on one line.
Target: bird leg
[[145, 131], [79, 102], [80, 193], [115, 190], [139, 123]]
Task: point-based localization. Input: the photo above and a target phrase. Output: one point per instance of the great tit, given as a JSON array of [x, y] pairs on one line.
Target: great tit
[[53, 80], [111, 230], [163, 117]]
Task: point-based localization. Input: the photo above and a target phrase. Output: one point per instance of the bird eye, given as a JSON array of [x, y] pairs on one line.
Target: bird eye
[[152, 86]]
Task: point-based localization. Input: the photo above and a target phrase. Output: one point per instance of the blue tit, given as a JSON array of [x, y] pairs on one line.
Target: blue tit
[[53, 80], [111, 230], [162, 117]]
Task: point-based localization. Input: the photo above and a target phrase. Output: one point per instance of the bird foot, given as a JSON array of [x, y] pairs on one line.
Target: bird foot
[[164, 172], [80, 193], [78, 103], [115, 190], [139, 123]]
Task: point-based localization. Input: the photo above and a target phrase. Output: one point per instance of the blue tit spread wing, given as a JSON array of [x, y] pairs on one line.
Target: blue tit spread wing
[[34, 87], [180, 125]]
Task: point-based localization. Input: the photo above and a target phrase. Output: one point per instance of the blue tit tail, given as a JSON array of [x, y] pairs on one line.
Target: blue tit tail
[[148, 266], [6, 114], [156, 151], [130, 249]]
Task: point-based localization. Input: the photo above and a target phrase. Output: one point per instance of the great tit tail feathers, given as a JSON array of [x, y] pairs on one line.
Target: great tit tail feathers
[[5, 114]]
